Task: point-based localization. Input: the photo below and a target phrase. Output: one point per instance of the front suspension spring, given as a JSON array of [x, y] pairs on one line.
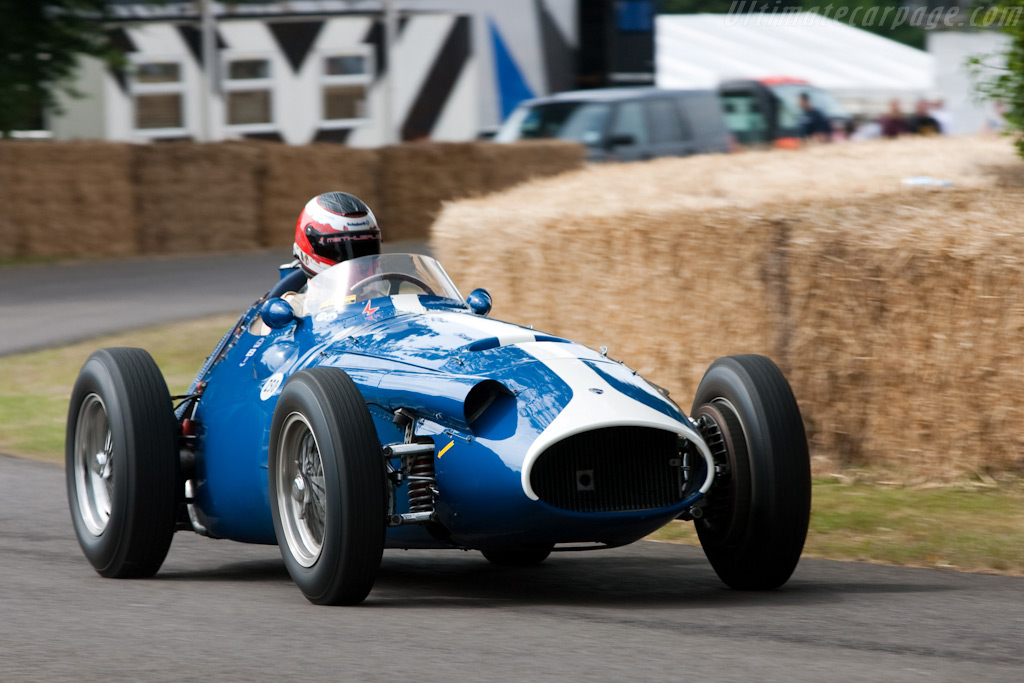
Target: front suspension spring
[[421, 483]]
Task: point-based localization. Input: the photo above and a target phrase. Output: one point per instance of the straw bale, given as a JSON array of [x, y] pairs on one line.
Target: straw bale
[[907, 314], [78, 194], [294, 174], [414, 179], [508, 165], [194, 197], [10, 236], [896, 313]]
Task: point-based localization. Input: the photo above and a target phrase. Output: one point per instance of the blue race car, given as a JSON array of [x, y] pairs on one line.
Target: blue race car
[[376, 408]]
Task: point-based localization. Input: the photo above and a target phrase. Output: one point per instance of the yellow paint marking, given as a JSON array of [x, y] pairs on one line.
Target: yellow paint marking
[[445, 449]]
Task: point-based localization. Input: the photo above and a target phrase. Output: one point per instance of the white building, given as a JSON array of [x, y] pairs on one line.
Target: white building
[[311, 70], [968, 114]]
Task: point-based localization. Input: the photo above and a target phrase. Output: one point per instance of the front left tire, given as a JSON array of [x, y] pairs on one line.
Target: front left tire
[[121, 463], [328, 492]]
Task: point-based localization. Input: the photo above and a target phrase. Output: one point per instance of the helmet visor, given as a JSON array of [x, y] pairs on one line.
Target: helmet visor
[[342, 246]]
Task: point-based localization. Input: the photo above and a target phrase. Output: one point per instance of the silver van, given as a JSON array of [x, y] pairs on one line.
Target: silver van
[[624, 124]]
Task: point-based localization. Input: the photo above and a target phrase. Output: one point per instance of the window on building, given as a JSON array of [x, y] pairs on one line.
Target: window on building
[[344, 102], [346, 82], [345, 65], [158, 92], [248, 69], [158, 111], [248, 92], [158, 72]]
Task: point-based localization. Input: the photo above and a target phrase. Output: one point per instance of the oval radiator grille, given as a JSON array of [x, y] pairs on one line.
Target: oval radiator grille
[[614, 469]]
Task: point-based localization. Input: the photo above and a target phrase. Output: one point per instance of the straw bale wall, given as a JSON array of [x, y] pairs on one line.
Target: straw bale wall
[[415, 179], [10, 236], [904, 324], [896, 314], [199, 197], [183, 197], [68, 201], [503, 166]]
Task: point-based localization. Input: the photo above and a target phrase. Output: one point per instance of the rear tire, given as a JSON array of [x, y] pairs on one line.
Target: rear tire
[[122, 469], [755, 524], [327, 487]]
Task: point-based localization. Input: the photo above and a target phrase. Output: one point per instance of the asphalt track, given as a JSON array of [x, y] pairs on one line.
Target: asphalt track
[[46, 305], [223, 611]]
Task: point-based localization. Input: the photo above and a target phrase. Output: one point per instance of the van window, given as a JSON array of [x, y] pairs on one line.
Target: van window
[[587, 123], [629, 120], [542, 121], [744, 118], [577, 121], [666, 125]]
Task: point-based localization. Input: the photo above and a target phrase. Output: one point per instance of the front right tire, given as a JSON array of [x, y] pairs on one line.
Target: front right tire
[[327, 487], [754, 526]]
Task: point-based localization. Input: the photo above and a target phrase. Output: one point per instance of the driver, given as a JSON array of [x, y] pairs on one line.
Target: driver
[[334, 227]]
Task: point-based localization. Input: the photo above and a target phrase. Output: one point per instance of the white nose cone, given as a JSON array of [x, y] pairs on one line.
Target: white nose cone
[[595, 404]]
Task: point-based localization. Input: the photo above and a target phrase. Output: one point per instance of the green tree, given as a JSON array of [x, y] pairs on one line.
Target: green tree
[[1000, 77], [40, 44]]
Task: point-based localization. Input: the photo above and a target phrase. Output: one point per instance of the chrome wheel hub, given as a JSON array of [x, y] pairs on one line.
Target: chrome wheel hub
[[299, 490], [94, 465]]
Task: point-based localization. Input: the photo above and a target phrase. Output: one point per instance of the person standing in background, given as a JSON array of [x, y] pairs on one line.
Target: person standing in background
[[893, 123], [812, 123], [922, 122]]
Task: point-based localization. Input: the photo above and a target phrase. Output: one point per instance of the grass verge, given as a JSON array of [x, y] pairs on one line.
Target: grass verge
[[35, 387], [968, 527]]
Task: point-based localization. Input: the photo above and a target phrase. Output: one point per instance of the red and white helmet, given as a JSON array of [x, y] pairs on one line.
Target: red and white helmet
[[334, 227]]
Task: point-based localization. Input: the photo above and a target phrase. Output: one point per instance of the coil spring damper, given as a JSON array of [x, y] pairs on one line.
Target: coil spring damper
[[418, 471], [421, 482]]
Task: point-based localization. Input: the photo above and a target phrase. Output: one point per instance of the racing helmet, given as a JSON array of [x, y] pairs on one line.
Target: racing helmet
[[334, 227]]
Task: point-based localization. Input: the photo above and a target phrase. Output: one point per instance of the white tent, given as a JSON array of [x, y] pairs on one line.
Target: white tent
[[702, 50]]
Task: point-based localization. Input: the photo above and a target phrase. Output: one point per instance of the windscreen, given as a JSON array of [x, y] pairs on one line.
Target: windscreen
[[379, 275]]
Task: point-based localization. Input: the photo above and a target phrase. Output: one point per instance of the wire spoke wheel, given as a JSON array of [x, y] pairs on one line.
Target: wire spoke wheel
[[327, 487], [303, 510]]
